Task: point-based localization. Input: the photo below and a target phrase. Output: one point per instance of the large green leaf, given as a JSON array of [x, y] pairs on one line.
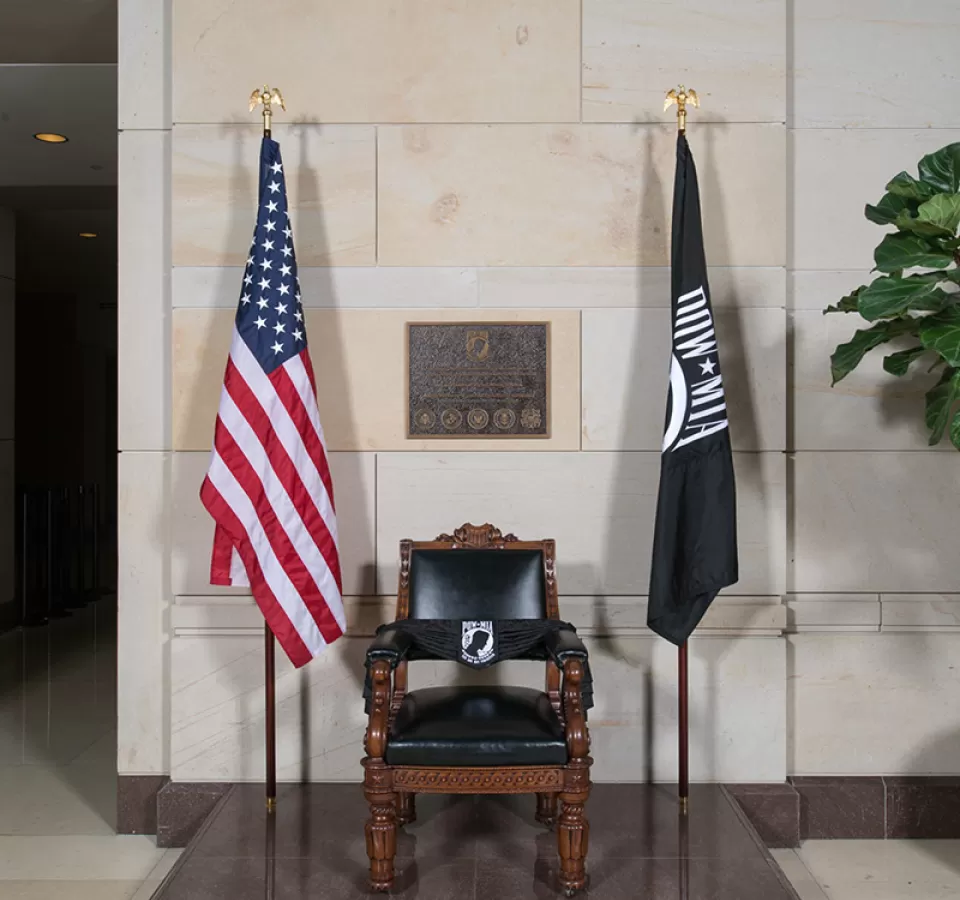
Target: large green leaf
[[940, 401], [847, 356], [942, 169], [904, 251], [892, 295], [955, 430], [898, 363], [889, 207], [905, 185], [846, 304], [942, 337], [942, 211]]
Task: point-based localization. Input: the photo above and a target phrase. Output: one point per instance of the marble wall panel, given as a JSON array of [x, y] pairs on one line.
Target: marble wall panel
[[625, 374], [372, 61], [736, 711], [869, 409], [616, 286], [143, 290], [873, 704], [833, 612], [920, 612], [359, 357], [330, 177], [382, 287], [598, 506], [143, 77], [577, 195], [192, 527], [834, 173], [633, 53], [874, 64], [868, 521], [143, 597]]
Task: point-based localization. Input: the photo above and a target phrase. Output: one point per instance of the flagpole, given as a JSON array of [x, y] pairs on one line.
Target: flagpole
[[268, 97], [681, 96]]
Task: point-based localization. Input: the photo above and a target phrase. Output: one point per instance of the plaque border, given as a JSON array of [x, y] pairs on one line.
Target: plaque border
[[548, 431]]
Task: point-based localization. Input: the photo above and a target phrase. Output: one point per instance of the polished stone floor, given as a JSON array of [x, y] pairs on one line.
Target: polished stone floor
[[58, 767], [467, 847]]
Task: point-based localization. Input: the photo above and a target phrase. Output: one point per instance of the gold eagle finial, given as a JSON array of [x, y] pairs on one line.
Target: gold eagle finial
[[268, 97], [681, 96]]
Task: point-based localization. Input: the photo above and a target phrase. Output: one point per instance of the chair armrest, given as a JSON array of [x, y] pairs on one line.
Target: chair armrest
[[375, 740], [390, 644], [564, 644]]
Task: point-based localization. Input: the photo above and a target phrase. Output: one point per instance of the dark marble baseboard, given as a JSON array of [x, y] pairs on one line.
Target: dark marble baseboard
[[844, 807], [137, 803], [183, 807]]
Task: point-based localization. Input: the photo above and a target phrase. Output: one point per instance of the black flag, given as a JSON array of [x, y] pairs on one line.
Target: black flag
[[695, 537]]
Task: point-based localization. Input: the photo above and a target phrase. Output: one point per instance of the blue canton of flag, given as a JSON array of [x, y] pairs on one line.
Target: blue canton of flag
[[270, 314]]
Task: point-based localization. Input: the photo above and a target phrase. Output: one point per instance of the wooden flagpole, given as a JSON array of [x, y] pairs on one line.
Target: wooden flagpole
[[268, 97], [681, 96]]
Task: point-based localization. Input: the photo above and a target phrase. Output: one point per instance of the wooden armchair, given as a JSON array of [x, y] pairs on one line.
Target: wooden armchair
[[477, 740]]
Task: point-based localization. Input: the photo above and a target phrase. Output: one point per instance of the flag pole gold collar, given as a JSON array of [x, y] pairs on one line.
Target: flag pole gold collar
[[267, 96], [681, 96]]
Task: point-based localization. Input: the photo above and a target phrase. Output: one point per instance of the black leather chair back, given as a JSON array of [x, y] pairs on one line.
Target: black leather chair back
[[477, 584]]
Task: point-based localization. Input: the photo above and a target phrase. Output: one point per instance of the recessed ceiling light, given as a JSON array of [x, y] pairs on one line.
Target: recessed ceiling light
[[88, 234], [50, 137]]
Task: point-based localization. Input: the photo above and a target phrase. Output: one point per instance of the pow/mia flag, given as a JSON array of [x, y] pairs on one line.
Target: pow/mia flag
[[695, 536]]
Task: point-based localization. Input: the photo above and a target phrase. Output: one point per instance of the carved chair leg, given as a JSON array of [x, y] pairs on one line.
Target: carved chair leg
[[381, 831], [573, 834], [547, 809], [406, 808]]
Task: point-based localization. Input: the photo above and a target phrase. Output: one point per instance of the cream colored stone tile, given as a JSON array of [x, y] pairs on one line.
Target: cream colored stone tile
[[920, 612], [812, 289], [737, 709], [143, 76], [869, 409], [124, 857], [360, 361], [599, 507], [837, 171], [875, 522], [885, 870], [380, 287], [871, 704], [370, 61], [871, 63], [577, 195], [647, 286], [737, 688], [143, 593], [217, 711], [143, 290], [149, 886], [833, 612], [798, 874], [330, 176], [625, 374], [631, 53], [192, 526]]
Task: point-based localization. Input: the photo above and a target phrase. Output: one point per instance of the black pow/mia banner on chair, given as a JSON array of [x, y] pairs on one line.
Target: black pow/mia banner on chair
[[478, 644]]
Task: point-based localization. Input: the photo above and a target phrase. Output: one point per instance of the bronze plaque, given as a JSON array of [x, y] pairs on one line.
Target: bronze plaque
[[482, 379]]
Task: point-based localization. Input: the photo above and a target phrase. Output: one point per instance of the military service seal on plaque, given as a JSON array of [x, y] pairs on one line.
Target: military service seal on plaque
[[478, 379]]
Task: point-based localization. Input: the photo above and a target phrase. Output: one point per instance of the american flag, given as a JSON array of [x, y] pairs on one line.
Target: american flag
[[268, 486]]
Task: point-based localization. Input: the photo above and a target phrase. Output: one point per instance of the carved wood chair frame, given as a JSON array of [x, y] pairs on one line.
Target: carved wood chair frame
[[391, 790]]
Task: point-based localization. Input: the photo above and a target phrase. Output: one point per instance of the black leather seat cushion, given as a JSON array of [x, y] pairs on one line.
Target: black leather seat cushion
[[477, 584], [476, 726]]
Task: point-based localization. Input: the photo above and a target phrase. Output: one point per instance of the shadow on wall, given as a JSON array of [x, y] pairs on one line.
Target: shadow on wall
[[296, 701], [661, 700]]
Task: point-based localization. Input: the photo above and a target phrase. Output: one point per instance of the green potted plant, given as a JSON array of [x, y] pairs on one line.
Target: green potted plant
[[915, 299]]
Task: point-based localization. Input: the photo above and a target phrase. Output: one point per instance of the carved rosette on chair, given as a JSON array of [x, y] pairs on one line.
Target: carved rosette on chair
[[433, 741]]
